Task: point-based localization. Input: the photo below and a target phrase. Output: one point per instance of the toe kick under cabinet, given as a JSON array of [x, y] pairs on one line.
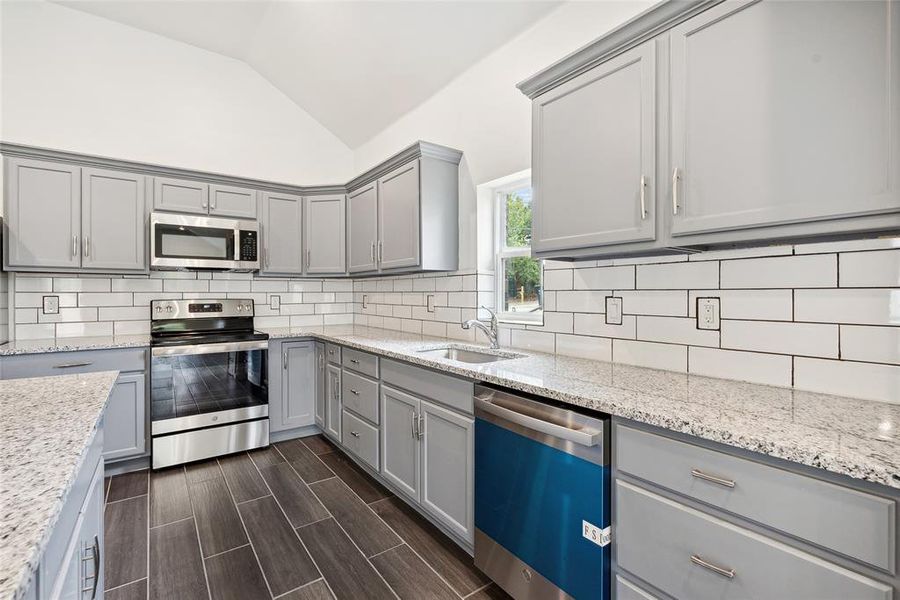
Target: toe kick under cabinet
[[700, 520], [127, 412]]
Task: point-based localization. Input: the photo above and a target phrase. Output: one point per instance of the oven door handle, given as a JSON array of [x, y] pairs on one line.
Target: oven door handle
[[210, 348], [582, 436]]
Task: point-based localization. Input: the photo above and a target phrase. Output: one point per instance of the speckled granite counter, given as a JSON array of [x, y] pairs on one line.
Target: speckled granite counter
[[46, 424], [858, 438], [73, 344]]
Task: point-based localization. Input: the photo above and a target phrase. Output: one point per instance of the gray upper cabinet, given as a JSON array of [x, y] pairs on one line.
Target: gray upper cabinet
[[230, 201], [295, 407], [448, 449], [113, 220], [362, 228], [180, 195], [43, 214], [125, 419], [324, 235], [784, 112], [281, 220], [398, 218], [594, 141]]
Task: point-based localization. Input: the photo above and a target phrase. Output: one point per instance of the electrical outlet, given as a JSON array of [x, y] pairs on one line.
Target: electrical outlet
[[365, 301], [613, 310], [708, 313], [51, 305], [274, 302], [429, 303]]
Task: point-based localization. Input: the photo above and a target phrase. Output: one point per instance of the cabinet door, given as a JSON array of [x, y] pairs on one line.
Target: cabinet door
[[594, 141], [333, 407], [325, 241], [400, 446], [230, 201], [91, 538], [125, 420], [398, 218], [298, 390], [43, 214], [281, 227], [180, 195], [448, 446], [362, 228], [320, 385], [784, 112], [113, 223]]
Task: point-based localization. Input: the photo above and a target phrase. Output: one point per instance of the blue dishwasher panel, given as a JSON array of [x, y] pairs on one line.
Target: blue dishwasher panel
[[531, 499]]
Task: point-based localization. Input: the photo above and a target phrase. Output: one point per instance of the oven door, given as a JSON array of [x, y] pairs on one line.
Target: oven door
[[190, 242], [207, 385]]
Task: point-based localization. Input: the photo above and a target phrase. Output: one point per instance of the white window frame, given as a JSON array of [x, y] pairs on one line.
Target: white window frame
[[502, 251]]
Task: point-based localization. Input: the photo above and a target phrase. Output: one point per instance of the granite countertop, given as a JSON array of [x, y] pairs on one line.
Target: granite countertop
[[857, 438], [47, 425], [71, 344]]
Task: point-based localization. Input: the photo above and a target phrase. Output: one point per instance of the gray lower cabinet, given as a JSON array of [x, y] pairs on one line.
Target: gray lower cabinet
[[320, 385], [42, 208], [324, 235], [281, 217], [333, 409], [400, 448], [113, 220], [180, 195], [125, 418], [592, 192], [362, 228], [232, 201], [763, 130], [294, 398], [398, 218]]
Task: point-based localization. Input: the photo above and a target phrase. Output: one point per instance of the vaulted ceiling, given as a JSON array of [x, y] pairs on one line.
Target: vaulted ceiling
[[354, 66]]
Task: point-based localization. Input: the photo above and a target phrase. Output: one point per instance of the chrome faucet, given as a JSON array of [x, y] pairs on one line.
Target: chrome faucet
[[491, 332]]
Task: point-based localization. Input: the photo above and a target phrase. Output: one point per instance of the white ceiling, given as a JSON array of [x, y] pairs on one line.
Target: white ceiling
[[354, 66]]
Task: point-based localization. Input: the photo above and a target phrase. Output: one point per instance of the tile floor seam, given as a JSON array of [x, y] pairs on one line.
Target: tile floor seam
[[126, 499], [170, 523], [300, 587], [227, 551], [305, 525], [251, 499], [402, 543], [197, 533], [481, 589], [121, 585]]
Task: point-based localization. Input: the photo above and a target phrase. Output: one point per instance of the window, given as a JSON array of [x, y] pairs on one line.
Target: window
[[519, 277]]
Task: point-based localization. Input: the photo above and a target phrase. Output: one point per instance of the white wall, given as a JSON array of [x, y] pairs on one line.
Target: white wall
[[73, 81], [481, 112]]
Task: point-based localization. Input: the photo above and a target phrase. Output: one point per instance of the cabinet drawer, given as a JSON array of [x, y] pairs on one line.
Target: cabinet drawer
[[454, 392], [333, 353], [361, 362], [853, 523], [625, 590], [360, 438], [360, 395], [65, 363], [663, 542]]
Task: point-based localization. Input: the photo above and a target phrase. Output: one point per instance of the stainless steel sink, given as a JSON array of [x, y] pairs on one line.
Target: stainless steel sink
[[468, 355]]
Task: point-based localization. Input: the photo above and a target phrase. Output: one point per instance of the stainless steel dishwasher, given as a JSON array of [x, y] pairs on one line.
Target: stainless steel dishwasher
[[541, 496]]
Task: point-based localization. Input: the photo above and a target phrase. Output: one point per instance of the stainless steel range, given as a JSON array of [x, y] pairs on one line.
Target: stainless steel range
[[209, 380]]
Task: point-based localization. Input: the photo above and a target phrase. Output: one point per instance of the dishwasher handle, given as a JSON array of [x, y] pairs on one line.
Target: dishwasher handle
[[585, 437]]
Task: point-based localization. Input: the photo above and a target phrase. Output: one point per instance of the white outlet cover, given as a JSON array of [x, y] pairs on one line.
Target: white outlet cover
[[708, 312], [274, 302], [613, 310], [51, 305]]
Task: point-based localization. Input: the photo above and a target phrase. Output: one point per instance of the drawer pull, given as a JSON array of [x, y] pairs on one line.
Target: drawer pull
[[712, 478], [331, 352], [729, 573], [354, 392], [354, 434], [354, 361], [72, 365]]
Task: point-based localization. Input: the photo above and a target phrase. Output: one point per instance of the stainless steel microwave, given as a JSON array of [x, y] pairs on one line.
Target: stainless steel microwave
[[196, 242]]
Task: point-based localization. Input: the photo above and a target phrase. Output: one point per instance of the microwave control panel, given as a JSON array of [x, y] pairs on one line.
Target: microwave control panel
[[248, 245]]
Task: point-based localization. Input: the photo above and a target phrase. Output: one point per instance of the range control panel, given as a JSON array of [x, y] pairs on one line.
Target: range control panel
[[193, 309]]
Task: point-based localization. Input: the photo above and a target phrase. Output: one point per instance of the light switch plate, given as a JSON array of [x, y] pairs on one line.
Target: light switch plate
[[275, 302], [613, 310], [365, 301], [429, 302], [51, 305], [708, 313]]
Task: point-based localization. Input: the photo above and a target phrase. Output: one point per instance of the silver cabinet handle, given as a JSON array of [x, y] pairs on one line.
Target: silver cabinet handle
[[380, 251], [284, 359], [354, 361], [203, 205], [72, 365], [266, 250], [354, 434], [729, 573], [74, 245], [331, 352], [354, 392], [212, 203], [86, 246], [95, 559], [729, 483], [412, 421], [307, 257], [643, 199], [373, 251], [675, 191], [420, 427]]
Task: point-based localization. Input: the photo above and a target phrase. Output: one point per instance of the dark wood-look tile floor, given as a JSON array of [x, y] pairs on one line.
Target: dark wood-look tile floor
[[295, 521]]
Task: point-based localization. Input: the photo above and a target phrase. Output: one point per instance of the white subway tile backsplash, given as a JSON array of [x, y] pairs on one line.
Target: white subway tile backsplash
[[137, 285], [595, 324], [302, 320], [35, 332], [800, 339], [305, 286], [755, 367], [604, 278], [462, 299], [26, 315], [122, 313], [678, 276], [582, 346], [36, 299], [34, 284], [559, 279], [434, 328], [847, 378], [870, 344], [675, 330], [669, 357], [72, 315], [761, 305], [74, 284], [853, 306], [815, 271], [537, 341], [337, 285], [581, 301], [555, 322], [742, 253], [229, 285], [870, 269], [269, 285], [423, 285], [64, 330], [454, 283], [654, 302], [131, 328], [144, 298], [107, 299]]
